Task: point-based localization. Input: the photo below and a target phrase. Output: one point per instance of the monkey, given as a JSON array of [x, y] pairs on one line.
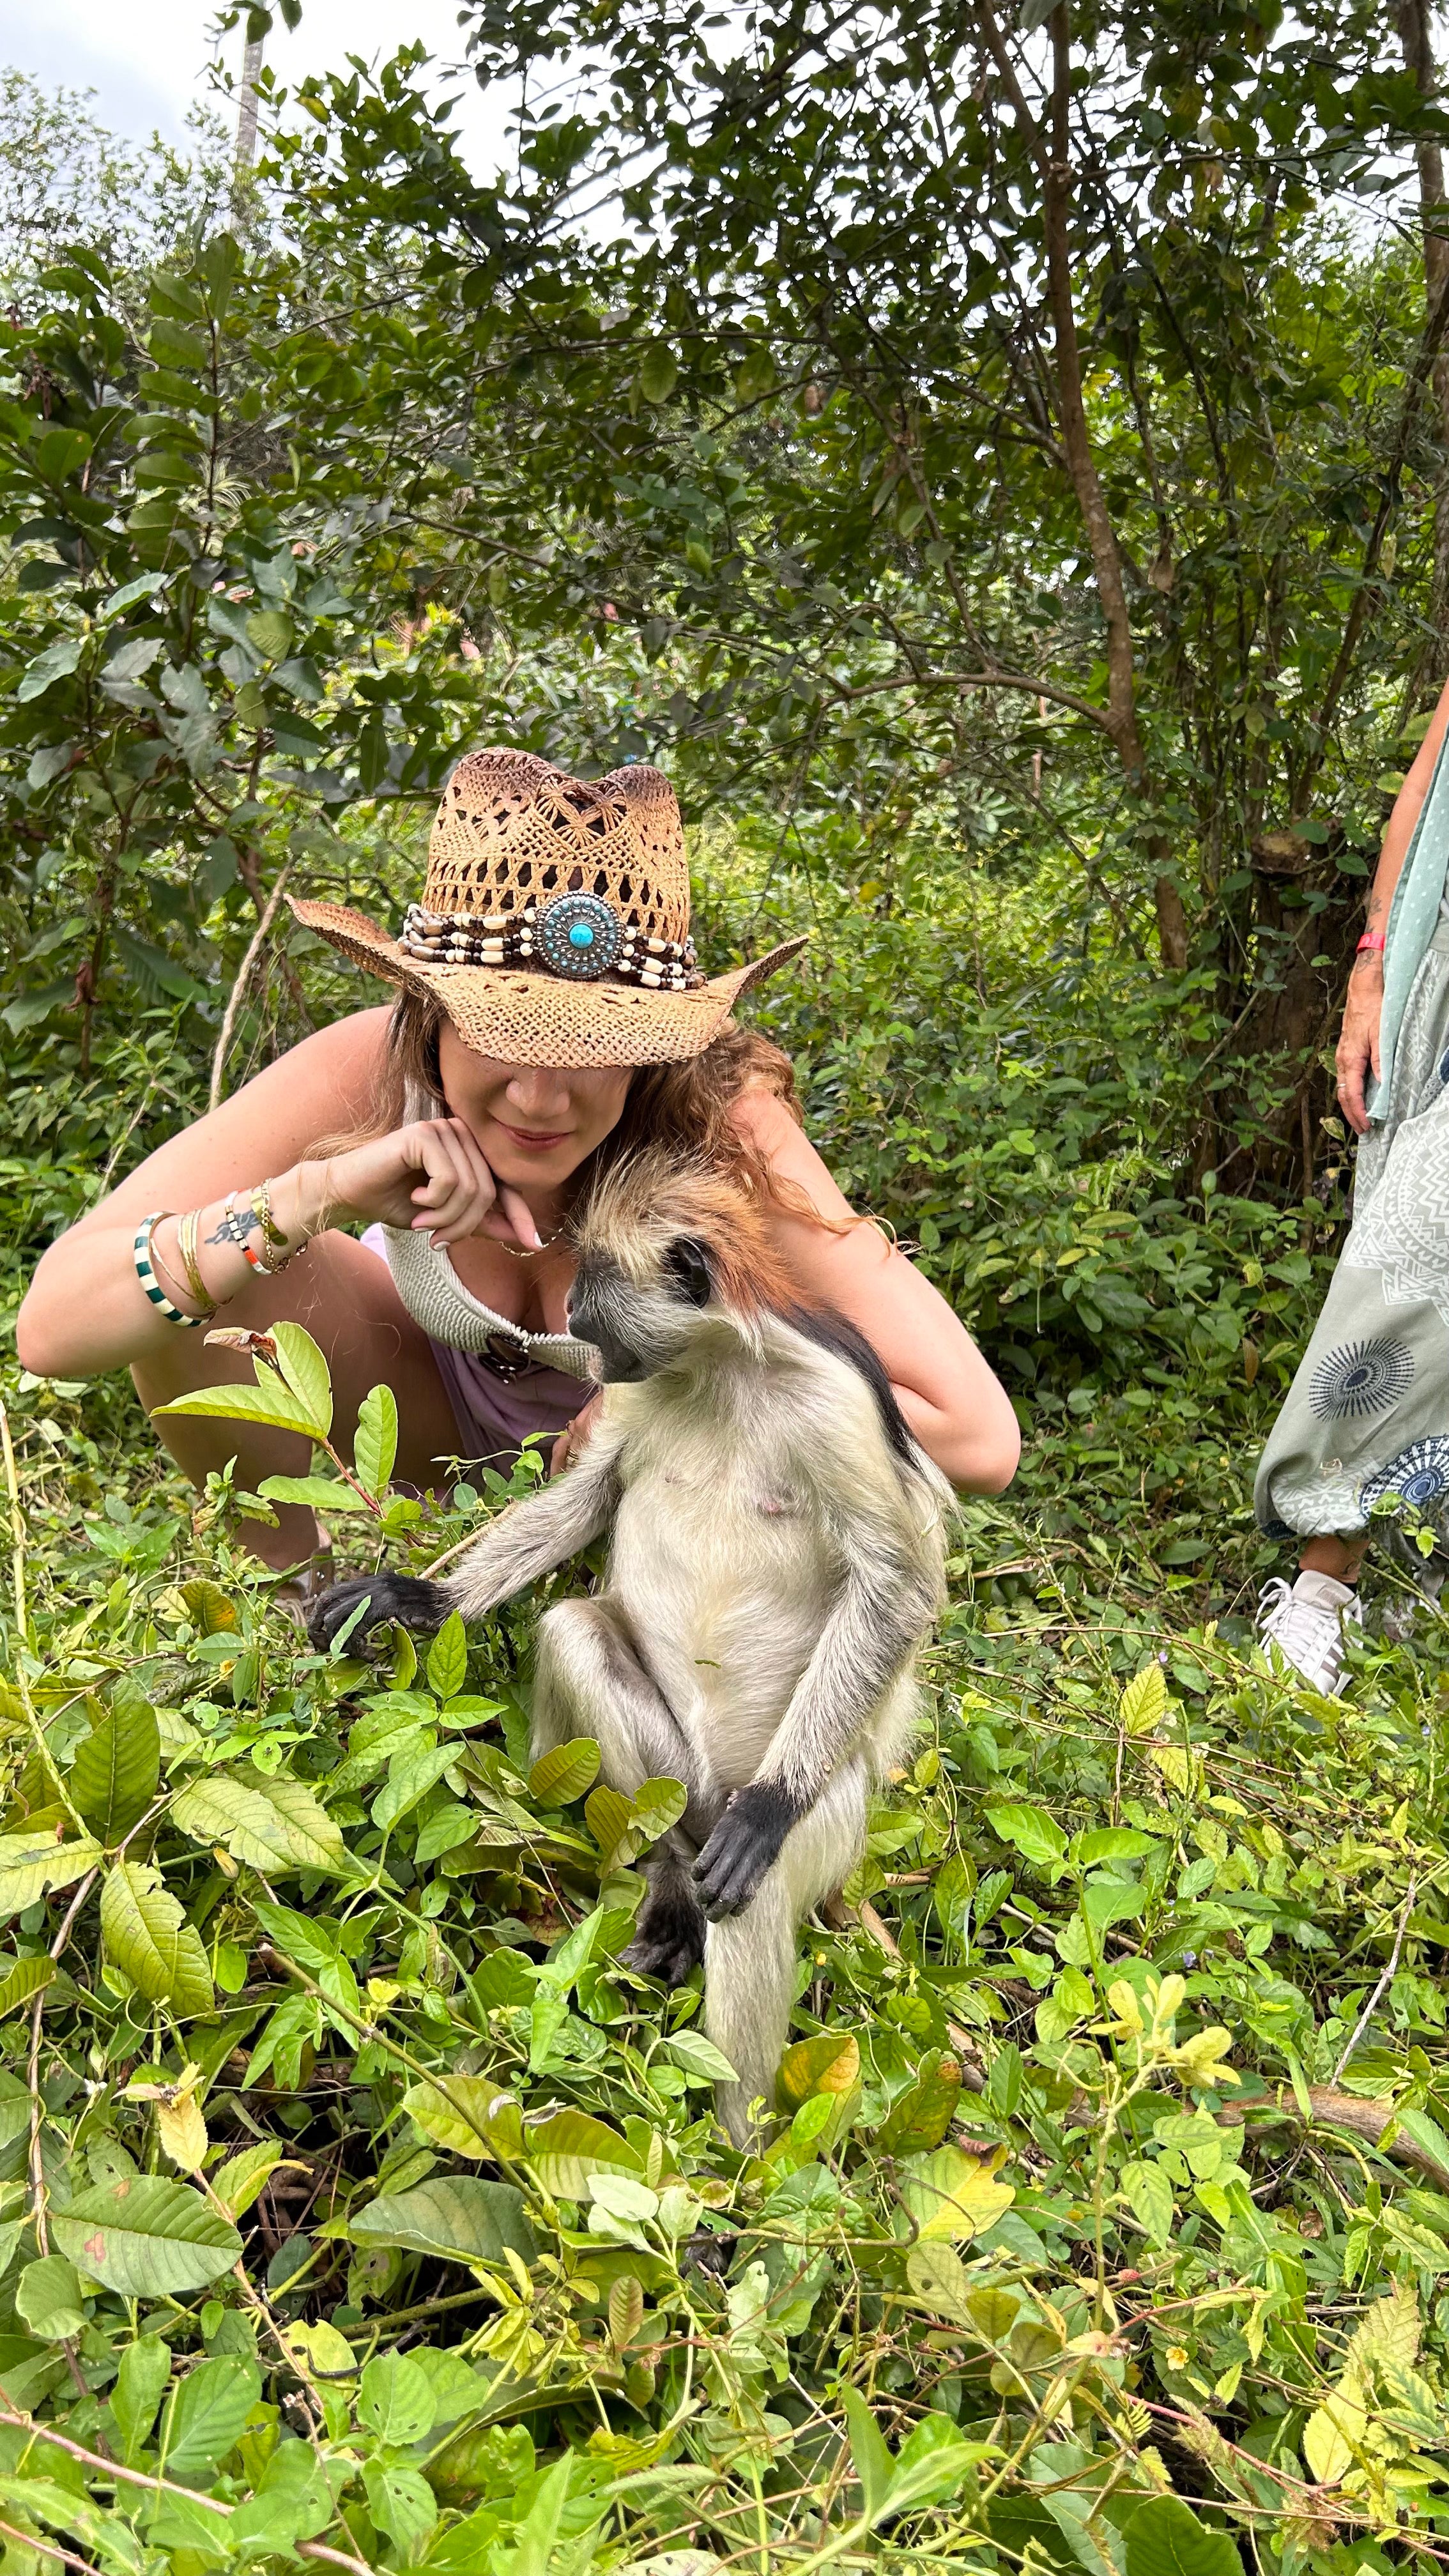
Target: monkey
[[777, 1543]]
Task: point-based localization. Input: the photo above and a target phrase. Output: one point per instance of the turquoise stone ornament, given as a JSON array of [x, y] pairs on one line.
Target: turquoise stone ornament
[[578, 936]]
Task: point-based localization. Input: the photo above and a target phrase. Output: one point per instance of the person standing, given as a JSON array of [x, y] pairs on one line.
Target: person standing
[[1367, 1414]]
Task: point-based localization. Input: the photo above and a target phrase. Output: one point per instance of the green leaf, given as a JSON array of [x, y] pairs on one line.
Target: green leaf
[[536, 2548], [139, 2387], [457, 2217], [31, 1863], [374, 1443], [314, 1493], [1148, 2194], [401, 2503], [20, 1979], [55, 663], [1031, 1830], [1143, 1704], [448, 1657], [411, 1774], [395, 2400], [873, 2463], [565, 1772], [48, 2299], [270, 1821], [146, 1933], [458, 2119], [658, 372], [567, 2148], [116, 1770], [306, 1372], [940, 2279], [146, 2237], [922, 2114], [238, 2182], [1165, 2538], [270, 1402], [207, 2415], [658, 1805], [700, 2058]]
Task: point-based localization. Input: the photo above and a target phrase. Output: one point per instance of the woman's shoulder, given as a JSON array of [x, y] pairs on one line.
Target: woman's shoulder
[[769, 1126]]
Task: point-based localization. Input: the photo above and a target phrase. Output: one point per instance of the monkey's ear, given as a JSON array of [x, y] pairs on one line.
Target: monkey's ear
[[686, 1266]]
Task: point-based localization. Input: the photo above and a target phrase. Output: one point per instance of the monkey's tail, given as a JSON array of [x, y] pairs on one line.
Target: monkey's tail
[[750, 1959]]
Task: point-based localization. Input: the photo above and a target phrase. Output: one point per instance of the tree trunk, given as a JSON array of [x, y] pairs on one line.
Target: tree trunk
[[1417, 40]]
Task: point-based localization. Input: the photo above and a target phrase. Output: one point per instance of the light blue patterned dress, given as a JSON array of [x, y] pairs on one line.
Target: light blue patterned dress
[[1367, 1414]]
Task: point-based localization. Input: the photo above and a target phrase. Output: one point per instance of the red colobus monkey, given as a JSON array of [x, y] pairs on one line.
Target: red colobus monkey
[[776, 1560]]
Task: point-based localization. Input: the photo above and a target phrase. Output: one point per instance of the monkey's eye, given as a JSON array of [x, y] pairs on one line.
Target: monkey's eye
[[687, 1268]]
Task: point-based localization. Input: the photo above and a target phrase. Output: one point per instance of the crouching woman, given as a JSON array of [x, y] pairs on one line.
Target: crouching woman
[[550, 1017]]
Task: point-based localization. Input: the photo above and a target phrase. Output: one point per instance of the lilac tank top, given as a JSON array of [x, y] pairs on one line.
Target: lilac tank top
[[494, 1414]]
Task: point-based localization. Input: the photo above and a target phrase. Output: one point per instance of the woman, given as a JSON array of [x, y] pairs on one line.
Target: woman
[[1367, 1415], [550, 1012]]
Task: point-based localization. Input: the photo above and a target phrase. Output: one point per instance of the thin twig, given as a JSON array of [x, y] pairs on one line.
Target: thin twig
[[47, 2548], [237, 995], [1385, 1981]]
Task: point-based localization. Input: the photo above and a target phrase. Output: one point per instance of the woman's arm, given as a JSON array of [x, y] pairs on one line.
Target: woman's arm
[[958, 1410], [1358, 1045], [86, 1311]]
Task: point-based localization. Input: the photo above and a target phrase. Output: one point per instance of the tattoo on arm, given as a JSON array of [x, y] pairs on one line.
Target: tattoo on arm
[[236, 1224]]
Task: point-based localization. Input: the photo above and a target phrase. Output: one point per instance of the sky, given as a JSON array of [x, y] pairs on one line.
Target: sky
[[147, 62]]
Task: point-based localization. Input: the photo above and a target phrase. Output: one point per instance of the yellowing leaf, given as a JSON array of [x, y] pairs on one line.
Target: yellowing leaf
[[459, 2119], [828, 2063], [271, 1823], [1332, 2435], [1143, 1704], [30, 1863], [146, 1933], [183, 2131], [953, 2194]]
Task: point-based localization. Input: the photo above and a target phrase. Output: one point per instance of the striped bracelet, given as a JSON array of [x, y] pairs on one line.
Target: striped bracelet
[[147, 1275]]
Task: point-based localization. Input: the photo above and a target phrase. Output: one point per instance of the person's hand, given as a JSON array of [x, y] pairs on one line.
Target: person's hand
[[429, 1176], [574, 1436], [1358, 1044]]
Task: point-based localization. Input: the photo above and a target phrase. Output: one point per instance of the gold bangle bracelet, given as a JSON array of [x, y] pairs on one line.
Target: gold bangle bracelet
[[159, 1262], [188, 1229]]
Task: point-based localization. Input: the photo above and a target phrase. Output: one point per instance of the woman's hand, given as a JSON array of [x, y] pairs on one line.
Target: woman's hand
[[1358, 1044], [429, 1176], [574, 1436]]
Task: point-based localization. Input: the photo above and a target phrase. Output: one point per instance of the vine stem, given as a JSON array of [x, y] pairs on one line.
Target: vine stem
[[22, 1617]]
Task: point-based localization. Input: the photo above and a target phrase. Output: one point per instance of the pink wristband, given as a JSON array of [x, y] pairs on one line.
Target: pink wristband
[[1372, 939]]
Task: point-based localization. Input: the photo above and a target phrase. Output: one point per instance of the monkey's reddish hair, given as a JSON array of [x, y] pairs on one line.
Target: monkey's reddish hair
[[646, 1202]]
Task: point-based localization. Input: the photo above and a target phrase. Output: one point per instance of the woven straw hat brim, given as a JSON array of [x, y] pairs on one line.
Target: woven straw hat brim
[[520, 1017]]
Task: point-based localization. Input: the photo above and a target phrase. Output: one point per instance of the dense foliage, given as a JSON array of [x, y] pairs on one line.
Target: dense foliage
[[1035, 583]]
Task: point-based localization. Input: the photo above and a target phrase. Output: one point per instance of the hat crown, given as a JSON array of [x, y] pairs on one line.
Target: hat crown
[[512, 830]]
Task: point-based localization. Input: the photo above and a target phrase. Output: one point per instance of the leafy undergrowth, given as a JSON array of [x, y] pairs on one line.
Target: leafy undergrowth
[[356, 2202]]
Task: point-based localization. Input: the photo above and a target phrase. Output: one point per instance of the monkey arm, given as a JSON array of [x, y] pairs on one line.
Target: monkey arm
[[524, 1543], [875, 1627]]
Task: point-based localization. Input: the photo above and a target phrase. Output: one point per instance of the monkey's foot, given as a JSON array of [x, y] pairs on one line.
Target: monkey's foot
[[404, 1597], [670, 1938], [745, 1844]]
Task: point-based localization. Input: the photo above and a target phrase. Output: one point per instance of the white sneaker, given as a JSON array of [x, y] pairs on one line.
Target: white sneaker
[[1305, 1621]]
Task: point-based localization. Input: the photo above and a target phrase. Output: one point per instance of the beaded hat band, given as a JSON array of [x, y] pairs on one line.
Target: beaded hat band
[[554, 921]]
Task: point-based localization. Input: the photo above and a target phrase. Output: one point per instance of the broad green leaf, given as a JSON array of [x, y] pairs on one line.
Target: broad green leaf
[[939, 2278], [922, 2114], [609, 1816], [31, 1863], [116, 1770], [1143, 1704], [565, 1772], [48, 2299], [457, 2217], [953, 2194], [411, 1774], [269, 1402], [206, 2416], [658, 372], [269, 1820], [146, 2237], [447, 1665], [700, 2058], [536, 2547], [933, 2462], [1149, 2197], [401, 2503], [55, 663], [374, 1443], [460, 2118], [238, 2182], [1031, 1830], [22, 1979], [395, 2400], [1165, 2538], [306, 1373], [828, 2063], [146, 1933], [567, 2148], [310, 1943], [1109, 1842], [140, 2384], [314, 1493], [658, 1805]]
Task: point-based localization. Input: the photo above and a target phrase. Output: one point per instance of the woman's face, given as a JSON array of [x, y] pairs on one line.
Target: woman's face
[[535, 1124]]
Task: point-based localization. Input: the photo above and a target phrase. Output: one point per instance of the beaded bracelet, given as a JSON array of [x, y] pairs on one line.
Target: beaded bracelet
[[147, 1276]]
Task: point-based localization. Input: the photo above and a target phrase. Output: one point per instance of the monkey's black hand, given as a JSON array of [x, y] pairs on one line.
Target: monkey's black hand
[[670, 1938], [389, 1596], [744, 1845]]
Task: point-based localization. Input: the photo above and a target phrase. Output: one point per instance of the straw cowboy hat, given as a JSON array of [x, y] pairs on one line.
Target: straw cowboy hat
[[554, 924]]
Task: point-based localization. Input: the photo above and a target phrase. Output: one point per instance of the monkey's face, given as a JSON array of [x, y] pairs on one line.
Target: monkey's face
[[642, 1319]]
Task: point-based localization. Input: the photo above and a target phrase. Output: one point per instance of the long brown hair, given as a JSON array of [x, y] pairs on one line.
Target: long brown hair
[[685, 1110]]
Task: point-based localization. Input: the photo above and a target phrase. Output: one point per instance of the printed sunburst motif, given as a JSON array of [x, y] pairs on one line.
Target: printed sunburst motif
[[1361, 1378], [1420, 1474]]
